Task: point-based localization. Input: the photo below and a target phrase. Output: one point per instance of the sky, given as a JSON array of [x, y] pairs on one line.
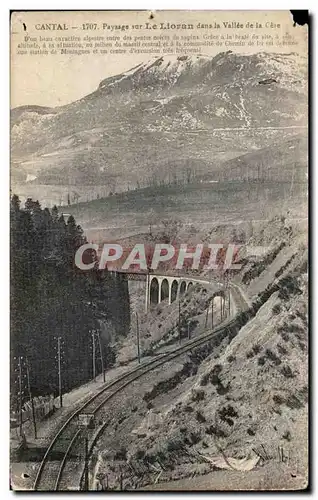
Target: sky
[[58, 79]]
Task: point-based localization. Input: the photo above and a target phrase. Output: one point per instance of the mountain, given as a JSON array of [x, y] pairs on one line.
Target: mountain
[[167, 116], [283, 160]]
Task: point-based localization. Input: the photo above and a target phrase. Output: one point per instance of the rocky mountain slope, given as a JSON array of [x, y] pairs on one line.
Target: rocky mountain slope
[[238, 404], [168, 114]]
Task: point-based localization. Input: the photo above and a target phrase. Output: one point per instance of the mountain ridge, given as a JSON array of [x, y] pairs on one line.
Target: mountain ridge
[[168, 112]]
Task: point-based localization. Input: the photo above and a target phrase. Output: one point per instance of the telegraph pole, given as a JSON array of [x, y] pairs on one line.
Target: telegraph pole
[[59, 369], [121, 479], [189, 333], [138, 337], [30, 397], [212, 312], [221, 308], [94, 355], [86, 482], [229, 303], [226, 288], [292, 181], [179, 321], [101, 355], [20, 394]]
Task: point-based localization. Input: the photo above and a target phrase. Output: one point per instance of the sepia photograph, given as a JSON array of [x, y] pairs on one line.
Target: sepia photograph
[[159, 251]]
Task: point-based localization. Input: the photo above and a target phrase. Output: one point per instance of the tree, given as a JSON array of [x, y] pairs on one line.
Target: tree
[[189, 174], [171, 228], [55, 213], [15, 203], [76, 197], [50, 297]]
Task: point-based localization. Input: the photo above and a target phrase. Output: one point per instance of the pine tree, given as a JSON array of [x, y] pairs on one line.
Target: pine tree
[[50, 297]]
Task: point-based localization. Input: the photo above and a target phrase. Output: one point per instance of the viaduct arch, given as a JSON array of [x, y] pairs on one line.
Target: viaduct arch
[[170, 288]]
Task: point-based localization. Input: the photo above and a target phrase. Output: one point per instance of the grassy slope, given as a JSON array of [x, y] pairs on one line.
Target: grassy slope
[[254, 391], [200, 204]]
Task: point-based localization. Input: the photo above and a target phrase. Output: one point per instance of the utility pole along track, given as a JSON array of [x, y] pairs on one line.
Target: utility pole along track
[[57, 471]]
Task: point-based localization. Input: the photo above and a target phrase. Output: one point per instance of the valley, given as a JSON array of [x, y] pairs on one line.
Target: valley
[[177, 150]]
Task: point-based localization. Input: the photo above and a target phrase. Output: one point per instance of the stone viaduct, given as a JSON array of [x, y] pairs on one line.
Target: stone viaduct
[[160, 287]]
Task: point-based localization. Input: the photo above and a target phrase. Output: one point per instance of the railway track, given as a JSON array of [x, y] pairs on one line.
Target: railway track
[[63, 465]]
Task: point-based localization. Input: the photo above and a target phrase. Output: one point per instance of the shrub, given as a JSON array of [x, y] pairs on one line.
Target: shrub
[[272, 356], [205, 379], [281, 349], [287, 371], [276, 309], [121, 454], [285, 336], [293, 327], [287, 435], [198, 395], [200, 417], [188, 409], [288, 286], [227, 413], [256, 349], [231, 358], [140, 454], [195, 437], [214, 374], [302, 346], [279, 400], [174, 445], [293, 402], [290, 327], [223, 389], [214, 430], [169, 384]]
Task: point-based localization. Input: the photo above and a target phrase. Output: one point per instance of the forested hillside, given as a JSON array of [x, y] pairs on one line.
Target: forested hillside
[[51, 298]]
